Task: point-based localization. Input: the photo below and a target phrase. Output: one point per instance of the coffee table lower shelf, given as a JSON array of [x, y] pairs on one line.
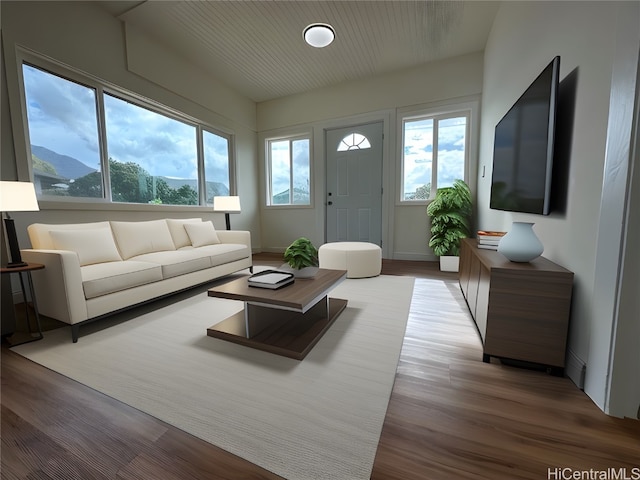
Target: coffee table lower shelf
[[283, 332]]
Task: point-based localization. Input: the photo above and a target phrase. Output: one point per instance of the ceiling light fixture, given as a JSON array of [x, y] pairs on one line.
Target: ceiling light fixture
[[319, 34]]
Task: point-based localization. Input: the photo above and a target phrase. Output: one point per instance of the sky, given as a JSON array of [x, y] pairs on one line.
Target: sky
[[62, 117]]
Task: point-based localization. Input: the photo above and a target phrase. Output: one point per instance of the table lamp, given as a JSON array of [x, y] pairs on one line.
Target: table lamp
[[228, 204], [16, 197]]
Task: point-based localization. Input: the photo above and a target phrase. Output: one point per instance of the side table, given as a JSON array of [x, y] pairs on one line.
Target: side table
[[27, 269]]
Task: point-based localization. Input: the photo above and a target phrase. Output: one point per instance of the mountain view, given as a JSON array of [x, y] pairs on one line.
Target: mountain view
[[62, 168]]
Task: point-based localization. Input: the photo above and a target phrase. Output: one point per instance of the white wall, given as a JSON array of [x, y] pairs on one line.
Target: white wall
[[405, 227], [524, 38], [82, 35]]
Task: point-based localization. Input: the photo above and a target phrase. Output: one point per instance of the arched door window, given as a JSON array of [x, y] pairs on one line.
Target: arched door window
[[353, 141]]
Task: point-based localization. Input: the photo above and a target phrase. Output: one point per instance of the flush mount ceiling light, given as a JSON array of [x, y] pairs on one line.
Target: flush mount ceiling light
[[319, 34]]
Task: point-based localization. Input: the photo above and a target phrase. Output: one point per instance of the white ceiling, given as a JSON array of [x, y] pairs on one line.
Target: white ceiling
[[256, 47]]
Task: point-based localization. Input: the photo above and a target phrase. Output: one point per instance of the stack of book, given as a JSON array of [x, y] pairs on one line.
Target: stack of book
[[489, 240]]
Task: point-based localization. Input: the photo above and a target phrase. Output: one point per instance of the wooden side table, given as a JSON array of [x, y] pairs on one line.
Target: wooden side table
[[27, 269]]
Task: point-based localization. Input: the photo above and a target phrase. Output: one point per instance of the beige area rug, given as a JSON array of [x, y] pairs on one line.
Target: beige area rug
[[319, 418]]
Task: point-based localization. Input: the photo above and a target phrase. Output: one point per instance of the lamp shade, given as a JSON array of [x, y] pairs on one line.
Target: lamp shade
[[18, 197], [230, 204]]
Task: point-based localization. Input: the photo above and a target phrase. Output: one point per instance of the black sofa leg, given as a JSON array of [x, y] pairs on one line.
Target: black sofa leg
[[75, 330]]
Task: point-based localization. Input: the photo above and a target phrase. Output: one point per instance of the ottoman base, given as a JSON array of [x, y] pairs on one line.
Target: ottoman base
[[359, 259]]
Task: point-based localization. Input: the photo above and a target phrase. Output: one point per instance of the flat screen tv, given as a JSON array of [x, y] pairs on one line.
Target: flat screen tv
[[523, 148]]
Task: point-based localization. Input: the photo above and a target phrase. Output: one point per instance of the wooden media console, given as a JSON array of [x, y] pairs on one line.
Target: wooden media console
[[521, 309]]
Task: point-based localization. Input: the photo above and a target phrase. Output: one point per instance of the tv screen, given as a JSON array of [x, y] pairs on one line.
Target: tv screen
[[523, 148]]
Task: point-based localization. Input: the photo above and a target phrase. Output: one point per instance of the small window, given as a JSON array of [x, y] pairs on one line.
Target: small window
[[434, 153], [354, 141], [289, 171]]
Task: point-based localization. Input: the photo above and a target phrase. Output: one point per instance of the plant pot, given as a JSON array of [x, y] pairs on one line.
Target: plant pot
[[449, 263], [306, 272]]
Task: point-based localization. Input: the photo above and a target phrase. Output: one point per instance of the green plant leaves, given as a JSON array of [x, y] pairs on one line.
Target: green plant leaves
[[450, 214], [301, 253]]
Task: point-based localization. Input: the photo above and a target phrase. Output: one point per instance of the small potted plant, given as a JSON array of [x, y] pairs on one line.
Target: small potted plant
[[302, 258], [450, 214]]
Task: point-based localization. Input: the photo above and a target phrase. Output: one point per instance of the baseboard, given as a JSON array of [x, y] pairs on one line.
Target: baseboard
[[422, 257], [575, 369]]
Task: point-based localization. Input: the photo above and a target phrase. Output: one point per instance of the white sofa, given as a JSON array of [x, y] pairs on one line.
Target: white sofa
[[95, 269]]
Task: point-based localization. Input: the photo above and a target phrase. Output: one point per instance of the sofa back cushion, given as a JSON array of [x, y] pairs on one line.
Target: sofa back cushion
[[40, 237], [136, 238], [92, 245], [178, 233]]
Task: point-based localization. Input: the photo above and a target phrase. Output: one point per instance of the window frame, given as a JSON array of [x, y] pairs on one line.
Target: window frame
[[22, 141], [469, 109], [307, 135]]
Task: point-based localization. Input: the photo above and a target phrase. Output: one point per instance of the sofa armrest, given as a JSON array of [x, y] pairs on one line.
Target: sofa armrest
[[58, 286], [235, 236]]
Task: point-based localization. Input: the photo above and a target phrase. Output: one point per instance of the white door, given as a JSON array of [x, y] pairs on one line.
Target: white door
[[354, 184]]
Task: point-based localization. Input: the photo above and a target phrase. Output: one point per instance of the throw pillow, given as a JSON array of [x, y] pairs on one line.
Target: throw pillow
[[203, 233], [92, 246], [178, 233]]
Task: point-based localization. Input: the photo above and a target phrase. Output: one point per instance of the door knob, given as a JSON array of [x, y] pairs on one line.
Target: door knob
[[329, 203]]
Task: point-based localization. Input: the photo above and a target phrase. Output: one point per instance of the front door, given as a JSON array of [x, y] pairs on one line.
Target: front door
[[354, 183]]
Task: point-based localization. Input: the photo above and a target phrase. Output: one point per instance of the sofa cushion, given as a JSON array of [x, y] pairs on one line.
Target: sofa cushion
[[104, 278], [203, 233], [92, 246], [137, 238], [178, 233], [223, 252], [40, 233], [177, 262]]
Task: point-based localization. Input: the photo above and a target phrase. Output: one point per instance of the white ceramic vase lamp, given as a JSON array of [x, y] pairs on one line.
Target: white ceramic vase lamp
[[521, 244]]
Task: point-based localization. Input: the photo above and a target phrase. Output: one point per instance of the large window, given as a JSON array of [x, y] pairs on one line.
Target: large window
[[289, 171], [434, 153], [89, 141]]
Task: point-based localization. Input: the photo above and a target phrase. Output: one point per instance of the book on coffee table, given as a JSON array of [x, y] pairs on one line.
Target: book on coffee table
[[272, 279]]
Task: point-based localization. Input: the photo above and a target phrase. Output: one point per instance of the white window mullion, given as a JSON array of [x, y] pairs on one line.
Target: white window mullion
[[434, 159], [291, 172], [104, 148], [202, 184]]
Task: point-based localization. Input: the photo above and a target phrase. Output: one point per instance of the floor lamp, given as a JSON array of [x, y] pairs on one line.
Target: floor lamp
[[226, 205], [16, 197]]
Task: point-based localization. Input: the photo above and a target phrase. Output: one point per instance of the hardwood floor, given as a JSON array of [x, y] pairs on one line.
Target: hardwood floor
[[450, 416]]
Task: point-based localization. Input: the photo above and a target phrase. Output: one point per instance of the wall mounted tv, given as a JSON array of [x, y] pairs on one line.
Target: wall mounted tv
[[523, 148]]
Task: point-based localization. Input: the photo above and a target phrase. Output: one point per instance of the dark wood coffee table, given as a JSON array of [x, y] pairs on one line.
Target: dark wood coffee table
[[288, 321]]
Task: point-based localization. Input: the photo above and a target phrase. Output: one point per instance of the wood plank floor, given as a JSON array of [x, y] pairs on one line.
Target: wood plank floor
[[450, 416]]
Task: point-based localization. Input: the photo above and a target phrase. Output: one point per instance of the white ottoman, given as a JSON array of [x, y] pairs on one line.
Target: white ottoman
[[359, 259]]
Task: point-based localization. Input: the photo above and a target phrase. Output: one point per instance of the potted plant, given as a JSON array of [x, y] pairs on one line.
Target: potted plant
[[450, 214], [302, 258]]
